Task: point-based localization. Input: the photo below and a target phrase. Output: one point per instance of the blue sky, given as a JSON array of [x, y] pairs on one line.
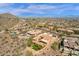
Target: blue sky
[[40, 9]]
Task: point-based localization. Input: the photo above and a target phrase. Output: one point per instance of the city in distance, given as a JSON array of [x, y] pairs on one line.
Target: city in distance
[[39, 29]]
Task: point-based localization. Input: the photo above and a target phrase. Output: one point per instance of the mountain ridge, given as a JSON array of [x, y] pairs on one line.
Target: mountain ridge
[[8, 20]]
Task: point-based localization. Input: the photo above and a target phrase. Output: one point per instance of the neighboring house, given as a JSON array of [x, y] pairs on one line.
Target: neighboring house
[[71, 44], [24, 36], [42, 38], [65, 30], [34, 32], [45, 38]]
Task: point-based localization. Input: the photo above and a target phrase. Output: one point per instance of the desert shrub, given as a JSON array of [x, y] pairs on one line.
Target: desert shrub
[[17, 52], [54, 46], [13, 35], [76, 31], [36, 47], [29, 42], [29, 53], [70, 53], [6, 29]]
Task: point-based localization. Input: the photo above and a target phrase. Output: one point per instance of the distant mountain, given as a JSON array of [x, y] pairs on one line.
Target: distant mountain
[[8, 20]]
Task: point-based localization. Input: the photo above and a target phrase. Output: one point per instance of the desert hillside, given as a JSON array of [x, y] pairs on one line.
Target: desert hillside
[[7, 21]]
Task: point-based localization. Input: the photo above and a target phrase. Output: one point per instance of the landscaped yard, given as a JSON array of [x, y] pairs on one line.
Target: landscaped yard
[[36, 47]]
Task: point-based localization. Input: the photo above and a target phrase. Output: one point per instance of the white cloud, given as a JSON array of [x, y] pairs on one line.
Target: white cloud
[[34, 9], [41, 7], [20, 11], [5, 4]]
